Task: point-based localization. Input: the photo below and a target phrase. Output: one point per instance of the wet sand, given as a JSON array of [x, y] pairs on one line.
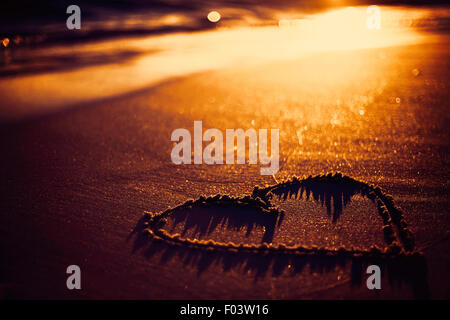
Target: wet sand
[[76, 182]]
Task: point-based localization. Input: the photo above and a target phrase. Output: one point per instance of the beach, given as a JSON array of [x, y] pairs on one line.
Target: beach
[[77, 179]]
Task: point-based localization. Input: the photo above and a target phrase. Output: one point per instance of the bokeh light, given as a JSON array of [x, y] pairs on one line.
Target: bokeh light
[[5, 42], [214, 16]]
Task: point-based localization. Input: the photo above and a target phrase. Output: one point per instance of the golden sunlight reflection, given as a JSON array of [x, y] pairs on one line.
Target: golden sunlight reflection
[[165, 56]]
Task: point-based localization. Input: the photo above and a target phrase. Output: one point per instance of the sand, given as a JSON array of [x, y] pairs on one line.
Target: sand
[[76, 182]]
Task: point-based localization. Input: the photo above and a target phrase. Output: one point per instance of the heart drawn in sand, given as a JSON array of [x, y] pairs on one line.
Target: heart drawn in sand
[[332, 190]]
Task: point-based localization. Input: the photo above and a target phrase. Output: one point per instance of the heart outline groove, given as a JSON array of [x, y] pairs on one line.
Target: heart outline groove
[[397, 236]]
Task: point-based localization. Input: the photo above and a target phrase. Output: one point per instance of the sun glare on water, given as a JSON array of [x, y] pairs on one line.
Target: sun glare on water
[[181, 54]]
